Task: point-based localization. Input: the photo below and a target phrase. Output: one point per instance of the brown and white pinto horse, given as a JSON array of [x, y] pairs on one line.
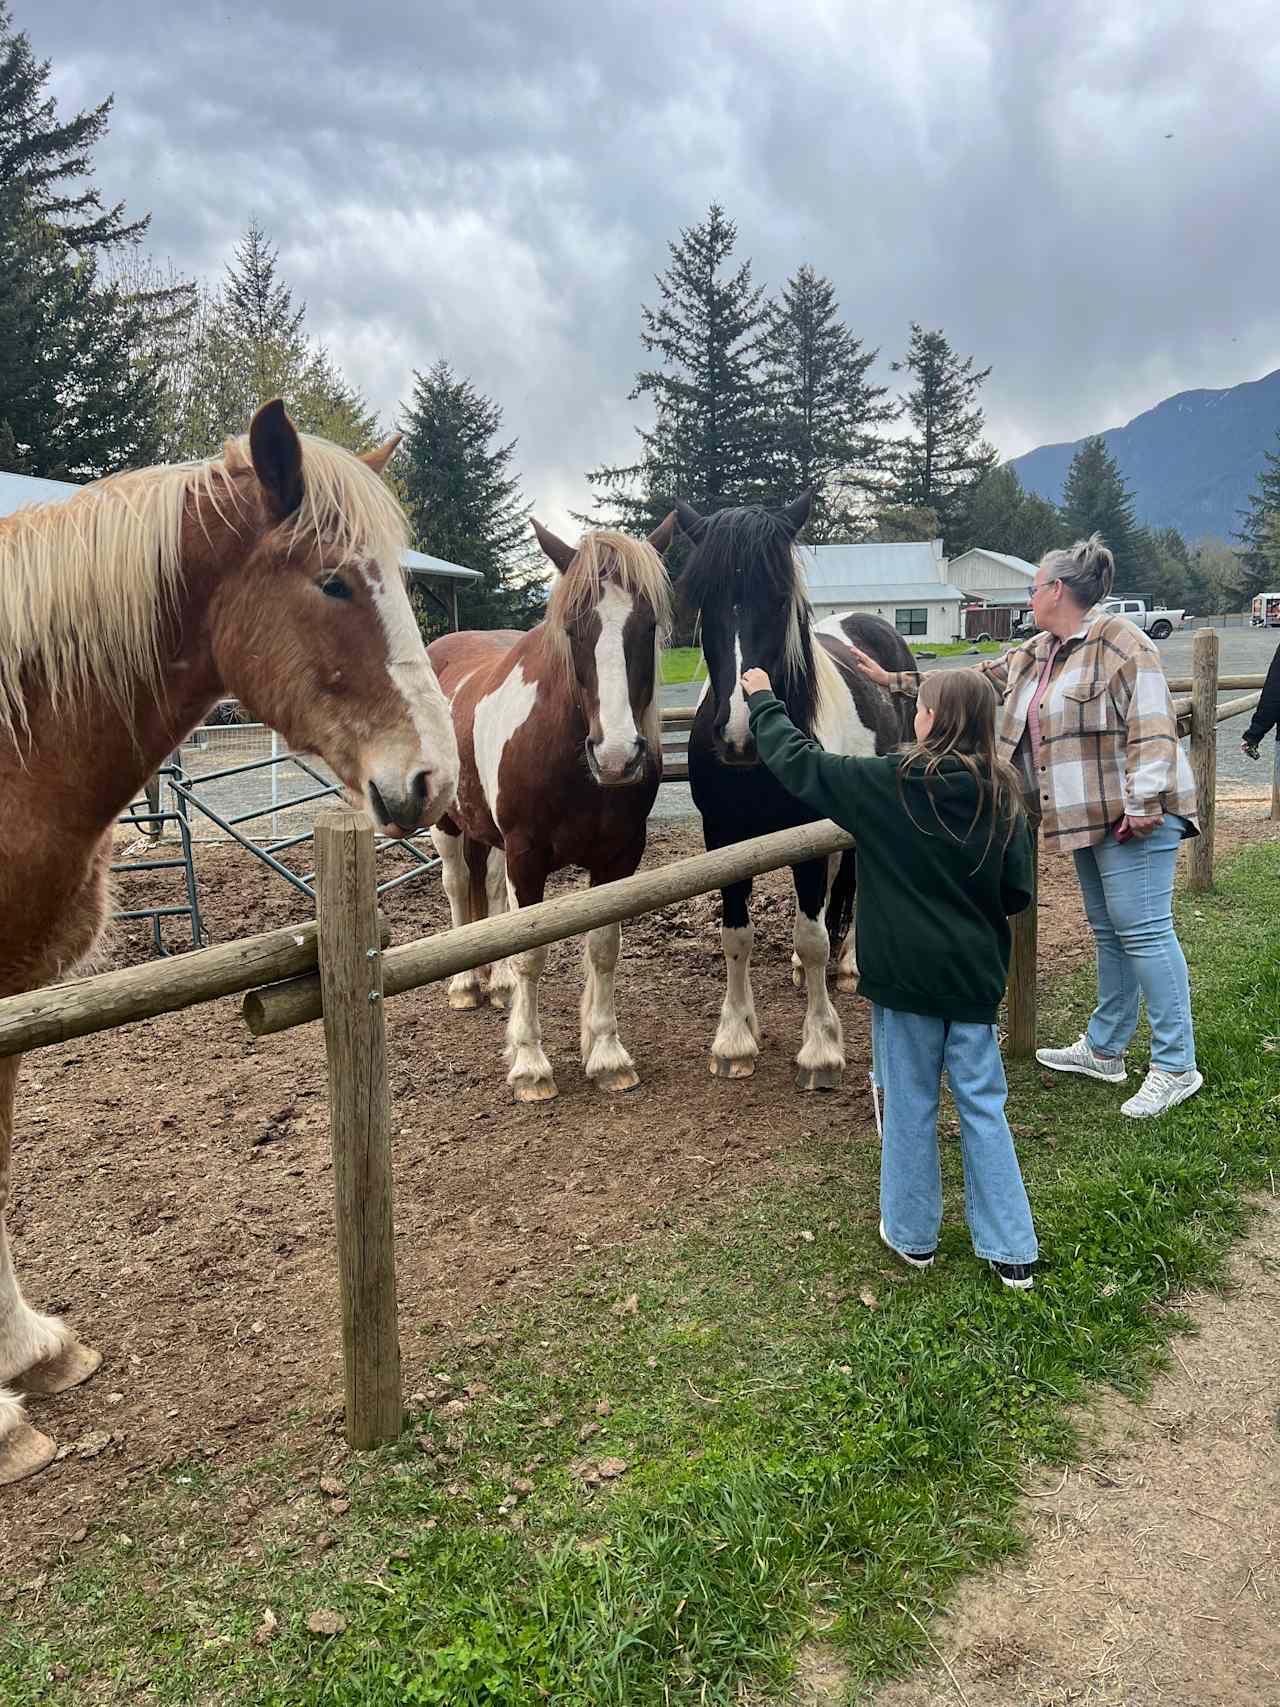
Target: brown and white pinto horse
[[273, 574], [561, 756]]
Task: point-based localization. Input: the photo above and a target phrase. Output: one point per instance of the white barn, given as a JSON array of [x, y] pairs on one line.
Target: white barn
[[907, 584], [992, 577]]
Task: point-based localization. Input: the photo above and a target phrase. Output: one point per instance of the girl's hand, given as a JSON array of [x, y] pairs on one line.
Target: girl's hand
[[756, 681], [869, 667], [1250, 752]]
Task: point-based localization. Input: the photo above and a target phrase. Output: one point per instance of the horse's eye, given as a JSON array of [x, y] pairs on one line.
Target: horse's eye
[[335, 588]]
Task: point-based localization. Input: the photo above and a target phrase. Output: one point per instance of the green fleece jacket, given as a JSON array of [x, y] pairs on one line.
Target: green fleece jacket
[[932, 920]]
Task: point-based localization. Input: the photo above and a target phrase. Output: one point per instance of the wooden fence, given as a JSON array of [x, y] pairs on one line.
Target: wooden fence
[[341, 970]]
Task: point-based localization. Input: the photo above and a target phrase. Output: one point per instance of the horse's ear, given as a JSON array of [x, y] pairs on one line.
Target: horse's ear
[[379, 458], [690, 521], [277, 458], [660, 538], [796, 514], [561, 555]]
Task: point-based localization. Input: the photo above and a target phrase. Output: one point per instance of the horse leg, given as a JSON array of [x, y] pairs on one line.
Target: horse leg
[[607, 1063], [737, 1041], [39, 1354], [502, 978], [530, 1077], [466, 990], [847, 967], [820, 1063]]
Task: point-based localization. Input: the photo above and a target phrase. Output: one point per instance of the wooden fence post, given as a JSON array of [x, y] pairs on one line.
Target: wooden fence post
[[1204, 754], [1022, 964], [359, 1117]]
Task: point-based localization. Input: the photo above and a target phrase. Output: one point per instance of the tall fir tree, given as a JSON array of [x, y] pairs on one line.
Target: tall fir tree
[[707, 443], [1095, 499], [45, 159], [464, 501], [1003, 516], [260, 319], [944, 456], [825, 415], [1258, 561]]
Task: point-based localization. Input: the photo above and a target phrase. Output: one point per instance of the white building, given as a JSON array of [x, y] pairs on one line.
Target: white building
[[992, 577], [907, 584]]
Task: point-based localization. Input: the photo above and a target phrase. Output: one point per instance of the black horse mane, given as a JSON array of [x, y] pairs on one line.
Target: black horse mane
[[746, 555]]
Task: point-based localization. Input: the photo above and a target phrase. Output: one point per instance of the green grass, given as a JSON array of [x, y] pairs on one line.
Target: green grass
[[682, 664], [796, 1458], [960, 648]]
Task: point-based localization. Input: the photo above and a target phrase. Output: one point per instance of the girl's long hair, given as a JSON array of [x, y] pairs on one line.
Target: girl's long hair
[[963, 704]]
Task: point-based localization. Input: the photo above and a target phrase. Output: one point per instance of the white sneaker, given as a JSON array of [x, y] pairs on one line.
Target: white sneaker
[[1161, 1091], [1079, 1058]]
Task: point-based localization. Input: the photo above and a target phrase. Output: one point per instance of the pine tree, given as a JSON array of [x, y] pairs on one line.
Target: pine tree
[[944, 457], [1095, 499], [1257, 528], [463, 501], [824, 412], [260, 319], [707, 443], [1003, 516], [78, 399], [44, 159]]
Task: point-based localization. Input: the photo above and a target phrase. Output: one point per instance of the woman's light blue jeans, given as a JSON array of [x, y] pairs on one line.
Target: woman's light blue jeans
[[909, 1053], [1128, 897]]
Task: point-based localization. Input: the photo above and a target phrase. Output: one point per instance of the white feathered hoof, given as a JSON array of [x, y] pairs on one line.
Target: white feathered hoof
[[732, 1067], [617, 1080], [534, 1090], [847, 983], [74, 1364], [24, 1451], [501, 998], [464, 1001], [819, 1078]]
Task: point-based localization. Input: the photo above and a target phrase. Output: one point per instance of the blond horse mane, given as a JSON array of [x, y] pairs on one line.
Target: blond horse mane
[[85, 585], [606, 557]]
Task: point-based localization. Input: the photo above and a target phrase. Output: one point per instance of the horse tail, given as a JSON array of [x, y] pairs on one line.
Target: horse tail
[[840, 901]]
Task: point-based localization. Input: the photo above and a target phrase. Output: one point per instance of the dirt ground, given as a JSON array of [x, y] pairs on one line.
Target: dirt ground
[[173, 1192]]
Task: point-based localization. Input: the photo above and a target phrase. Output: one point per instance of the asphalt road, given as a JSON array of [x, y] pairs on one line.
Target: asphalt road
[[1241, 652]]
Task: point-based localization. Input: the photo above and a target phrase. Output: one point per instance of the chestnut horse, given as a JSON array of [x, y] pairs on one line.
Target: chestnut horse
[[273, 574], [561, 756], [746, 585]]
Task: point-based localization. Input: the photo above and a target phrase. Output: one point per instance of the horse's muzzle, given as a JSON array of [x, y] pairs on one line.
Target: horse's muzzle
[[413, 807], [625, 775]]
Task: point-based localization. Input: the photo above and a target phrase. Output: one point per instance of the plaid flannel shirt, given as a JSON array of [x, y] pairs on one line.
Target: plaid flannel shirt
[[1108, 734]]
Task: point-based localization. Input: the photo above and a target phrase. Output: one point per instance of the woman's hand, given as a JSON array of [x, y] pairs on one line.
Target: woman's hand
[[756, 681], [1143, 826], [869, 667]]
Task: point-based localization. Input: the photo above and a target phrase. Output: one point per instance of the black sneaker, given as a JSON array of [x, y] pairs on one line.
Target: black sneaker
[[1014, 1274], [916, 1259]]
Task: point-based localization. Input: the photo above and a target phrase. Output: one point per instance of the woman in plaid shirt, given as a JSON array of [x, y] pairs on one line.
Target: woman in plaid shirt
[[1088, 722]]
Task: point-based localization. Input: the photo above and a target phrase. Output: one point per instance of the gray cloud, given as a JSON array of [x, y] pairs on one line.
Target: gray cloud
[[498, 185]]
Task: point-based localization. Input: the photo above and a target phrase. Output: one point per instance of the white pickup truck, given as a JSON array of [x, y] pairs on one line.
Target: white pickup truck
[[1159, 624]]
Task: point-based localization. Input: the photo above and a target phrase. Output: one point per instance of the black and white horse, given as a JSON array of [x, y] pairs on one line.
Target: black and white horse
[[745, 584]]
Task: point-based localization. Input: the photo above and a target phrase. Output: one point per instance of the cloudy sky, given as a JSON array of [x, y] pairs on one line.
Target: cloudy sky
[[496, 181]]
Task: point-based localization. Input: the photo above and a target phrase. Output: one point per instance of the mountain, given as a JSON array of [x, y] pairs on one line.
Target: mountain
[[1191, 462]]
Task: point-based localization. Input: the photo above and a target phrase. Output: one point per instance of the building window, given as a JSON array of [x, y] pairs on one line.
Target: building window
[[913, 620]]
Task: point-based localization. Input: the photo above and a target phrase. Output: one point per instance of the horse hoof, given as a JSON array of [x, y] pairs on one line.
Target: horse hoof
[[464, 1000], [819, 1078], [74, 1364], [625, 1079], [534, 1090], [500, 999], [24, 1452], [847, 983], [742, 1068]]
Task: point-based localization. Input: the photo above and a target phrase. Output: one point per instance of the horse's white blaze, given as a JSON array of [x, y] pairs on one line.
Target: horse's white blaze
[[617, 746], [736, 1037], [389, 765], [737, 728], [497, 717]]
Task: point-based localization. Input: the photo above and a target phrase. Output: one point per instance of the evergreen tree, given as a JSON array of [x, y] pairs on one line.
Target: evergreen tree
[[463, 501], [259, 318], [824, 412], [45, 159], [899, 525], [1003, 516], [1258, 563], [944, 456], [1095, 499], [77, 397], [707, 441]]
